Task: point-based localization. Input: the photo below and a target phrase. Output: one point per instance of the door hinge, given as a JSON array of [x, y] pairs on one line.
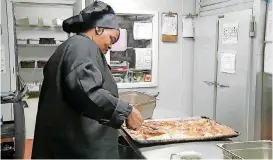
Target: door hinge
[[252, 27], [222, 86], [1, 29]]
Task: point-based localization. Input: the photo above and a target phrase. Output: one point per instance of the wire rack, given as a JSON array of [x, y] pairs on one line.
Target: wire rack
[[38, 45]]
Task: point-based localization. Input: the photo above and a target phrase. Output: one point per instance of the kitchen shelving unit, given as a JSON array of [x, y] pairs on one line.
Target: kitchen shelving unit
[[35, 20], [14, 131]]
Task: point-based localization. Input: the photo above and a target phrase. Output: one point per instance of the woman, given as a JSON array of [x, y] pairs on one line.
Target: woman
[[79, 111]]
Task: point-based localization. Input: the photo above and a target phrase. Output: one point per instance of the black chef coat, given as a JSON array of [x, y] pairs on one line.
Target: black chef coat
[[79, 111]]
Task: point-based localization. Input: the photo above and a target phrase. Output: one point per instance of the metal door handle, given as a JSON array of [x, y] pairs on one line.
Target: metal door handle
[[223, 86]]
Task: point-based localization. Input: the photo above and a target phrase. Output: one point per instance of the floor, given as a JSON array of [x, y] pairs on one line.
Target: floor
[[28, 149]]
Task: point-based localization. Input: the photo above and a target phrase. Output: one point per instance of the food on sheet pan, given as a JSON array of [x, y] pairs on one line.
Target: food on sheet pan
[[180, 129]]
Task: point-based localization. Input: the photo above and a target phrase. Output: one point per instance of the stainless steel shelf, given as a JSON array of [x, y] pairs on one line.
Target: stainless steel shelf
[[38, 45], [37, 26], [31, 69]]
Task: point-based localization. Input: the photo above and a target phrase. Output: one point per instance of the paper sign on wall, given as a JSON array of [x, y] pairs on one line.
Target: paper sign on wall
[[3, 59], [230, 33], [143, 58], [169, 25], [188, 28], [228, 61], [143, 30]]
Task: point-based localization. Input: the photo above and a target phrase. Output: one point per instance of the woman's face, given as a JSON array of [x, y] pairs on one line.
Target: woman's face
[[105, 38]]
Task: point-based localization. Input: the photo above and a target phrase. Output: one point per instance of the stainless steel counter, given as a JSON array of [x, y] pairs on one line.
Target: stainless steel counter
[[208, 149]]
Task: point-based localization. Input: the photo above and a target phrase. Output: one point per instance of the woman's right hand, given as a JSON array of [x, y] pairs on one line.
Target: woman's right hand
[[134, 120]]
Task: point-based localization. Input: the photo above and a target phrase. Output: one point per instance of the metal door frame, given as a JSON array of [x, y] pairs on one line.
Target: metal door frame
[[11, 47], [255, 93]]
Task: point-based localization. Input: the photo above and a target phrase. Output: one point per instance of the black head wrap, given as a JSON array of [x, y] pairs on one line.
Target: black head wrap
[[98, 14]]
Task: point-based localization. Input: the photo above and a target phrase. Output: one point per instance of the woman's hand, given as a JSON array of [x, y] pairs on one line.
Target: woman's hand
[[134, 120]]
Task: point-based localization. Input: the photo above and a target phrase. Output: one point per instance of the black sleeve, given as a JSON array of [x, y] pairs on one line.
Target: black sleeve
[[84, 84], [86, 95]]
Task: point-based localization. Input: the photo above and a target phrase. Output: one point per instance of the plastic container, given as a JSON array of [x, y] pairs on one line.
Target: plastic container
[[41, 63], [59, 41], [141, 101], [22, 41], [47, 41], [45, 21], [28, 64], [125, 150], [33, 21], [33, 41], [57, 22], [28, 21]]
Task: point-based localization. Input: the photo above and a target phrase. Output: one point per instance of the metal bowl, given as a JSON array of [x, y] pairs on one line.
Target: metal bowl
[[143, 102]]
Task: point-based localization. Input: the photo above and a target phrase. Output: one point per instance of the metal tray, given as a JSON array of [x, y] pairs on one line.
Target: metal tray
[[167, 141], [247, 150]]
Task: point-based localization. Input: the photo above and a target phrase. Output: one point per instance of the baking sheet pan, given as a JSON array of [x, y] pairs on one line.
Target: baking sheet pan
[[167, 141]]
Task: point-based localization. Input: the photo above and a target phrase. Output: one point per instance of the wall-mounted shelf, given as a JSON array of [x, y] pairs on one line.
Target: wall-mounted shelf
[[38, 45]]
